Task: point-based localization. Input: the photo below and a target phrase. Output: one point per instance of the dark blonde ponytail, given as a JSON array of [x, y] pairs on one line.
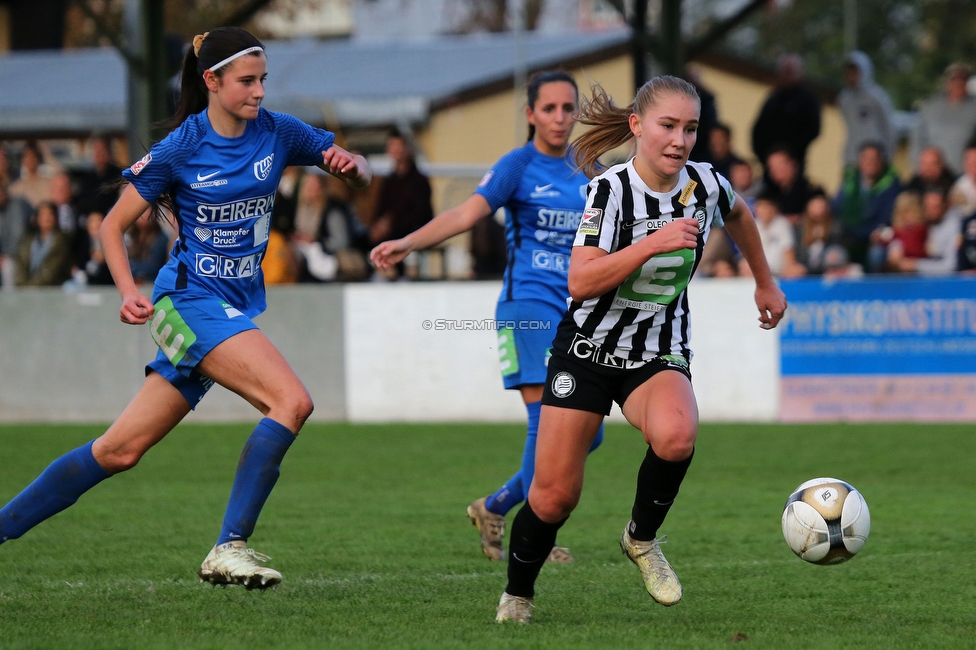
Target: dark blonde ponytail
[[611, 123]]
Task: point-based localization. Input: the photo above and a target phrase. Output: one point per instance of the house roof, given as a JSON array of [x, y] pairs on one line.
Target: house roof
[[355, 82]]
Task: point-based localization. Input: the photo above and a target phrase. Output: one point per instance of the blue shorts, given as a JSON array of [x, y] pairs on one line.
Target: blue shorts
[[525, 332], [186, 327]]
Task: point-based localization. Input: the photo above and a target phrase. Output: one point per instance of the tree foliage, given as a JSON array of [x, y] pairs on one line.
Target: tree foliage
[[910, 41]]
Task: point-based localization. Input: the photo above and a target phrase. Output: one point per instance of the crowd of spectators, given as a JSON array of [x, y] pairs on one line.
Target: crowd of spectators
[[879, 221], [50, 214]]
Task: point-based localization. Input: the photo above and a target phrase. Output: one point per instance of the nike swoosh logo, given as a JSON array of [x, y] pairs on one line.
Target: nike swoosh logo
[[542, 188], [626, 225], [201, 177]]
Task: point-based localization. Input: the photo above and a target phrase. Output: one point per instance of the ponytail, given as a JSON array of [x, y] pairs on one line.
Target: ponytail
[[611, 123]]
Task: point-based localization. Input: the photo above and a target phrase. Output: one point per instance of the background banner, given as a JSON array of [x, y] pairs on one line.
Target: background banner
[[879, 349]]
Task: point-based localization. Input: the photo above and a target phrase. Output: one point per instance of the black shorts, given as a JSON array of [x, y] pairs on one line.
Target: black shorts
[[584, 385]]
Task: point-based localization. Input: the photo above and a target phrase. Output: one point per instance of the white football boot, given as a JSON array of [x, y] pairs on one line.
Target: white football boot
[[233, 563], [516, 609], [659, 578]]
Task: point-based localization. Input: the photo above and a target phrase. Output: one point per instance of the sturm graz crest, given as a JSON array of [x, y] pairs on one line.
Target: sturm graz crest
[[263, 167], [700, 215], [563, 384]]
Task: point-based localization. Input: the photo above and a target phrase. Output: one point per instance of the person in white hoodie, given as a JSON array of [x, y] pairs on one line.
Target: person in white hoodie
[[866, 107]]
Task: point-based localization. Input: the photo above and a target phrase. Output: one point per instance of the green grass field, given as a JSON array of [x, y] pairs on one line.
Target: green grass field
[[367, 525]]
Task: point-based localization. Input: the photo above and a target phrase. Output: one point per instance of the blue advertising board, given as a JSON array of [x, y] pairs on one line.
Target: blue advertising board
[[881, 348]]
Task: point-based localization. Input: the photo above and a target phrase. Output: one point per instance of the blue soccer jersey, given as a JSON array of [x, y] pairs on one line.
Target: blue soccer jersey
[[543, 197], [223, 194]]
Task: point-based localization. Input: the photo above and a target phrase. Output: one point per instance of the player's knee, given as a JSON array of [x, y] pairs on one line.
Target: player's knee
[[297, 407], [119, 460], [677, 443], [554, 503]]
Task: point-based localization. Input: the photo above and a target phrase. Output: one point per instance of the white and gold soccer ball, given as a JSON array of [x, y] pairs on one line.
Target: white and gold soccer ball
[[826, 521]]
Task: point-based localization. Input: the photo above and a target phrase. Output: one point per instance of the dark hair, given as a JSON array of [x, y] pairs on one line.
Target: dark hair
[[722, 126], [785, 150], [212, 48], [206, 51], [877, 146], [54, 210], [540, 79], [769, 197]]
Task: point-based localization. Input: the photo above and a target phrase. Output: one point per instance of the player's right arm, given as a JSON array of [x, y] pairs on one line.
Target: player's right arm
[[444, 226], [136, 308]]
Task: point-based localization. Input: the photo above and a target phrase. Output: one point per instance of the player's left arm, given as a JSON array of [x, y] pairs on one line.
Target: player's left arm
[[351, 168], [741, 226]]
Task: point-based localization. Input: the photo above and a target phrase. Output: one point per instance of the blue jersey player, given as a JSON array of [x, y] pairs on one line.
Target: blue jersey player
[[543, 195], [217, 172]]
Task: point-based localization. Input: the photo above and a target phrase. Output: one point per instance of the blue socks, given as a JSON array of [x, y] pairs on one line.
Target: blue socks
[[58, 487], [517, 488], [257, 473]]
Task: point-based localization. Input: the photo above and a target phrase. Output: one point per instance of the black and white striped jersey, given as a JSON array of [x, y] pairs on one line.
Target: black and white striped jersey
[[646, 316]]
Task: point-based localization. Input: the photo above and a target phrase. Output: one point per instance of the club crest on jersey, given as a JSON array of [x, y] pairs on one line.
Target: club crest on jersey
[[263, 167], [700, 215], [138, 167], [686, 193], [590, 222]]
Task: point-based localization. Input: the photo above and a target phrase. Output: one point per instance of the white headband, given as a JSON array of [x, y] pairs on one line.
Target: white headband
[[256, 48]]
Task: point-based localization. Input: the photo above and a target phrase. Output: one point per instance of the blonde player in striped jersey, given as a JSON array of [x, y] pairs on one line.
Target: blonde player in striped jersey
[[626, 335]]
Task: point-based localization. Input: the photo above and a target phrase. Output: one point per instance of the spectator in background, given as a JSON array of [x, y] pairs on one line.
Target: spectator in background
[[947, 120], [308, 209], [4, 168], [967, 246], [907, 235], [331, 240], [787, 185], [720, 257], [963, 192], [148, 248], [95, 268], [720, 147], [489, 252], [744, 182], [15, 215], [98, 189], [837, 265], [342, 234], [865, 202], [932, 173], [61, 196], [867, 110], [34, 184], [279, 264], [818, 231], [404, 203], [941, 243], [701, 152], [776, 235], [44, 255], [286, 201], [790, 117]]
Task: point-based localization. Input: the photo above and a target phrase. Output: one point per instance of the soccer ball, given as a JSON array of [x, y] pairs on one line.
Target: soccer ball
[[826, 521]]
